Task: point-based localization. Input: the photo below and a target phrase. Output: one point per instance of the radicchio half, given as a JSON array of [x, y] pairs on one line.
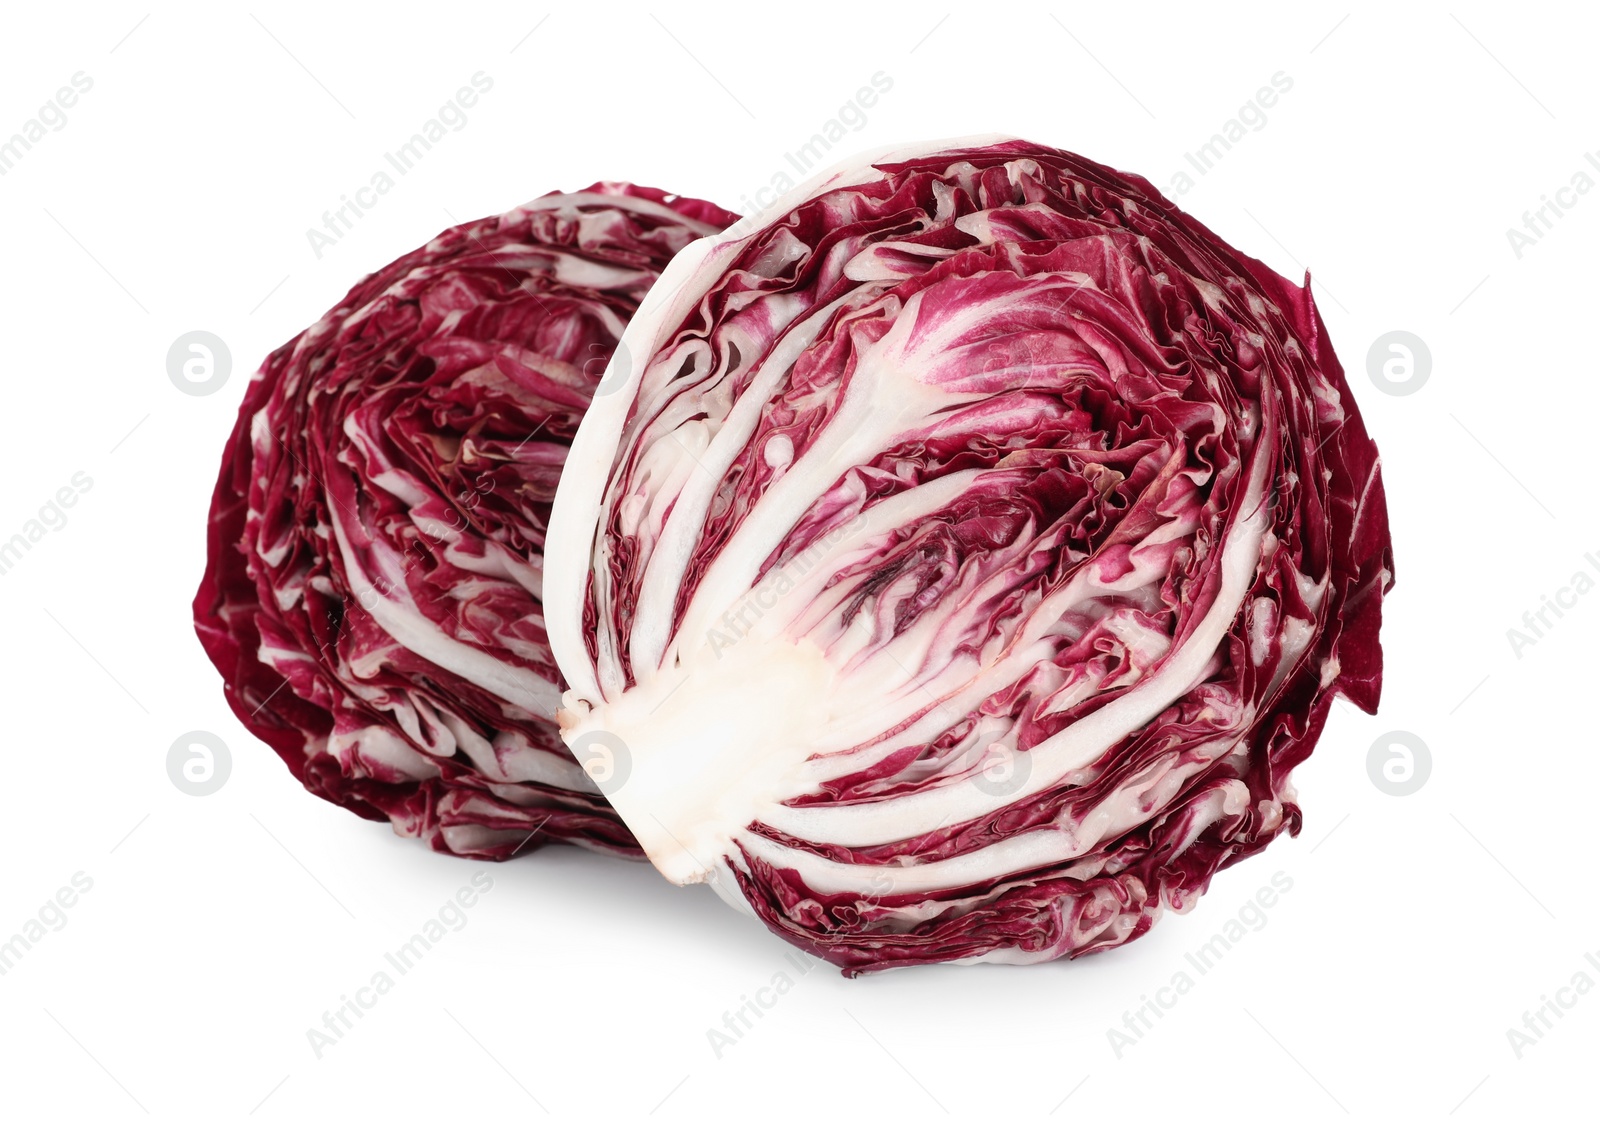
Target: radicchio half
[[972, 546]]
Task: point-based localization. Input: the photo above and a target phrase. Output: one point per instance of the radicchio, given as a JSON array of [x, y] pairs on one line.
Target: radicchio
[[372, 594], [972, 546]]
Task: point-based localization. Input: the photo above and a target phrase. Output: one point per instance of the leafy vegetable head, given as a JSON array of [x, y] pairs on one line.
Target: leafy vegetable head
[[376, 546], [971, 547]]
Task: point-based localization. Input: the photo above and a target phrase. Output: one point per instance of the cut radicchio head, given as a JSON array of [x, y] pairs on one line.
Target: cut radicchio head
[[372, 595], [968, 552]]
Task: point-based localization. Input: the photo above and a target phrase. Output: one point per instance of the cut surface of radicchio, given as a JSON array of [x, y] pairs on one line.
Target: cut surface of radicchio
[[971, 548], [372, 594]]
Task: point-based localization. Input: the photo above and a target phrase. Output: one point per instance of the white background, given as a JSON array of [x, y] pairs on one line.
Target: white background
[[219, 929]]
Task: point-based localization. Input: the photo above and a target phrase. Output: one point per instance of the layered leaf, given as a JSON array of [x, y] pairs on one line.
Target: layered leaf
[[971, 547], [376, 547]]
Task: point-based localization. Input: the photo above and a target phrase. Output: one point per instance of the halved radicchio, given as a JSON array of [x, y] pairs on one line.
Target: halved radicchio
[[972, 545]]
